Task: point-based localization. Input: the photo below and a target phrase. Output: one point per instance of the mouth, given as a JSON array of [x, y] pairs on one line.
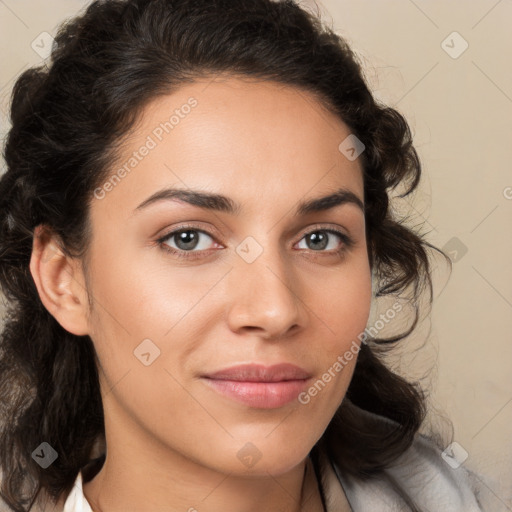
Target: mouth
[[259, 386]]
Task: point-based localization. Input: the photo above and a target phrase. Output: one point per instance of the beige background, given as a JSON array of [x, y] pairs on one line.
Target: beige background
[[459, 107]]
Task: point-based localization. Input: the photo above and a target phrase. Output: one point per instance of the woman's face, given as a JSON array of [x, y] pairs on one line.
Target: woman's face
[[252, 280]]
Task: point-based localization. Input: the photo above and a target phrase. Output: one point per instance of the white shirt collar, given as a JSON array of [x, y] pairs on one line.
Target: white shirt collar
[[76, 501]]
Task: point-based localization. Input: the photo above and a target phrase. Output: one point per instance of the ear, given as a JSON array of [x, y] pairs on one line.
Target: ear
[[60, 282]]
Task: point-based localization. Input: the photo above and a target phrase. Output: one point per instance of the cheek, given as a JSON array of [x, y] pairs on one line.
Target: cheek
[[343, 306], [138, 297], [141, 320]]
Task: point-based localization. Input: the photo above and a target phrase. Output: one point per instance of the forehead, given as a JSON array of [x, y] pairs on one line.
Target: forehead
[[253, 141]]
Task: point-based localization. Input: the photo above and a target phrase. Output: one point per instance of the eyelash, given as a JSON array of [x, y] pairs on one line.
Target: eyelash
[[192, 255]]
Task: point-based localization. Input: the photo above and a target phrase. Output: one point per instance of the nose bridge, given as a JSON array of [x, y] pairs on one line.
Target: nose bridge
[[264, 288]]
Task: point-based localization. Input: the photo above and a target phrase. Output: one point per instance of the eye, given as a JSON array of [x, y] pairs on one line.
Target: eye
[[187, 240], [320, 239], [191, 242]]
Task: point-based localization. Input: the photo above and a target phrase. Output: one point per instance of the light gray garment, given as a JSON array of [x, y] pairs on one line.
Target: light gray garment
[[426, 479]]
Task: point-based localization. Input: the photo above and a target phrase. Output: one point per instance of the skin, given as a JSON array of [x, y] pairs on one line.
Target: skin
[[171, 438]]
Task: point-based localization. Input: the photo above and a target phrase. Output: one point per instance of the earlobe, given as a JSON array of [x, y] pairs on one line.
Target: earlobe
[[59, 281]]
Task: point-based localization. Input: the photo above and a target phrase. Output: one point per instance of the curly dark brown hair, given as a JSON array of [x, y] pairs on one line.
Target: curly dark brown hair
[[68, 119]]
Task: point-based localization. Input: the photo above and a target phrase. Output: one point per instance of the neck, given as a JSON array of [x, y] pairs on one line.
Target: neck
[[142, 478], [296, 491]]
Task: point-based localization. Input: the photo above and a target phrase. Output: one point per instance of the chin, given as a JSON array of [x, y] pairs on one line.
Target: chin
[[260, 459]]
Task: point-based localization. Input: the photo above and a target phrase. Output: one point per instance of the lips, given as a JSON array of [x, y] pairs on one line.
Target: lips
[[259, 386], [261, 373]]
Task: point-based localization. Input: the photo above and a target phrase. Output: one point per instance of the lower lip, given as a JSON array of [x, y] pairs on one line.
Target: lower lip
[[262, 395]]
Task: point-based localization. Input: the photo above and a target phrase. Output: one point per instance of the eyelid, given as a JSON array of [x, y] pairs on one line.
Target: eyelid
[[323, 227], [182, 227]]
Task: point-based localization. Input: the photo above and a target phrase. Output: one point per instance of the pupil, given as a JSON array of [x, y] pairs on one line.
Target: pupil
[[187, 239], [316, 237]]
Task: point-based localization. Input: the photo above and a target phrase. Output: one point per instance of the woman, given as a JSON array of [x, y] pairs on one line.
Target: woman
[[175, 339]]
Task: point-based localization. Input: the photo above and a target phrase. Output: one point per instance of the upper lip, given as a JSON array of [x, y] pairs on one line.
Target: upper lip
[[260, 373]]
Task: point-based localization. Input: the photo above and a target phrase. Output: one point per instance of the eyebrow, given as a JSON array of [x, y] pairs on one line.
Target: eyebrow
[[218, 202]]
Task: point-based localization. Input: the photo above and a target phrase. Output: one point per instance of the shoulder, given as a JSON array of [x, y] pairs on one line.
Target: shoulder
[[420, 477], [434, 481]]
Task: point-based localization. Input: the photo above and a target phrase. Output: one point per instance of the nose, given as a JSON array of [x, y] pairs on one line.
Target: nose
[[265, 297]]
